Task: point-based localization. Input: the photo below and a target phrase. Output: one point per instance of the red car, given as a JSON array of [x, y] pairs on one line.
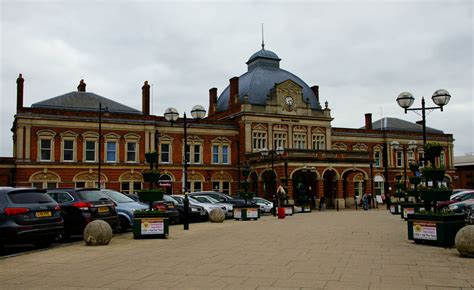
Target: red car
[[461, 197]]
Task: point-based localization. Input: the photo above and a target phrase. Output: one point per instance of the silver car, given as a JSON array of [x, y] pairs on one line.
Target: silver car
[[226, 207]]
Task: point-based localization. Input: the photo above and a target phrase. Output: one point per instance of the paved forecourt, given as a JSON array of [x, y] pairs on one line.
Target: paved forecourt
[[320, 250]]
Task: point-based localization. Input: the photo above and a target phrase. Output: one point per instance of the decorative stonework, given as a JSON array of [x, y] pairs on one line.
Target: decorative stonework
[[88, 176], [221, 177], [339, 146], [280, 127], [360, 147], [259, 127], [44, 177], [300, 129], [195, 176], [320, 130], [131, 176], [221, 140]]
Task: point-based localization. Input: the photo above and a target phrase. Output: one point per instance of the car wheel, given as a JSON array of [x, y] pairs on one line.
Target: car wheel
[[122, 225]]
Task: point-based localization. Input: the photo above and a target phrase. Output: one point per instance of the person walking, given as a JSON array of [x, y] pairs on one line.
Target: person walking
[[322, 202], [365, 202]]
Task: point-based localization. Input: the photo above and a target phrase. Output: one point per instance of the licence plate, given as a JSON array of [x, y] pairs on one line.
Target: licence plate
[[103, 209], [43, 214]]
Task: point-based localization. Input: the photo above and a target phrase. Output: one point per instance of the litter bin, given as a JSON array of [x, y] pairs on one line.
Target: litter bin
[[281, 213]]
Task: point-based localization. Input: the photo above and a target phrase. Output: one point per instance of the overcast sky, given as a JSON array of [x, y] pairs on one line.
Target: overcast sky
[[362, 54]]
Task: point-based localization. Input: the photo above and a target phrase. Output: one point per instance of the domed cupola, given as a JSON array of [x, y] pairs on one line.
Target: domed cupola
[[263, 58], [263, 72]]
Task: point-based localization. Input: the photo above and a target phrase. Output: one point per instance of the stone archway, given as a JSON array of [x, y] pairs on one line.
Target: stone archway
[[330, 187], [305, 184]]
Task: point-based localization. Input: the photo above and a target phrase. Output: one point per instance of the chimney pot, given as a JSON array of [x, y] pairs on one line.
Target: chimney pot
[[19, 92], [82, 86], [212, 101], [368, 121], [146, 98], [233, 90]]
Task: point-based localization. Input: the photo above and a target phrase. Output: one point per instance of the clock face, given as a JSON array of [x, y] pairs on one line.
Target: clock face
[[289, 102]]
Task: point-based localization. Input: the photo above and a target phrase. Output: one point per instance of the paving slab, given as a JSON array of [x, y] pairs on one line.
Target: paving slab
[[320, 250]]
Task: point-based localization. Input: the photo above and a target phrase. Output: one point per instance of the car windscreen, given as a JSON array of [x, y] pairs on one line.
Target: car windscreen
[[26, 197], [168, 198], [202, 199], [178, 199], [117, 196], [92, 195]]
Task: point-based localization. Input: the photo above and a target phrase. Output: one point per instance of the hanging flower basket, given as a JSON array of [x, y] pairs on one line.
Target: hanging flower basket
[[151, 175], [151, 157], [415, 180]]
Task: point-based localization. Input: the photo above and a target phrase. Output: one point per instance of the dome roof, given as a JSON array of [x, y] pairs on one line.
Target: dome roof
[[262, 75], [268, 54]]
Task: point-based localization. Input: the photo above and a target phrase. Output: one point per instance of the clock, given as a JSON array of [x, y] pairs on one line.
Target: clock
[[289, 103]]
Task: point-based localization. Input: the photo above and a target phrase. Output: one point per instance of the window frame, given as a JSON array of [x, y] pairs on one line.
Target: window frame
[[318, 141]]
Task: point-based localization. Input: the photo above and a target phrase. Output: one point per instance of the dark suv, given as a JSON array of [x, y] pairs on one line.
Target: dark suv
[[81, 206], [28, 215], [222, 197]]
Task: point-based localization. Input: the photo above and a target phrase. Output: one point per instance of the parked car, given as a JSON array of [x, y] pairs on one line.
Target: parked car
[[125, 206], [28, 215], [207, 206], [470, 214], [168, 207], [226, 207], [196, 213], [459, 197], [459, 192], [461, 206], [266, 206], [222, 197], [81, 206]]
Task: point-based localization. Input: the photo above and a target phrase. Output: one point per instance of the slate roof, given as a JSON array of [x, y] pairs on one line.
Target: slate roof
[[401, 125], [263, 73], [84, 101]]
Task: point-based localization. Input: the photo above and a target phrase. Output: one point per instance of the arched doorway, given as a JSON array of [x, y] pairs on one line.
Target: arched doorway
[[166, 182], [330, 187], [268, 184], [304, 186]]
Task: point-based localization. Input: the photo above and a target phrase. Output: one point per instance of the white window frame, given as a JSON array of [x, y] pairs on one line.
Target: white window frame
[[167, 152], [127, 151], [42, 136], [399, 158], [442, 158], [299, 140], [378, 158], [259, 140], [63, 149], [106, 153], [90, 137], [192, 142], [220, 143], [129, 139], [319, 141], [280, 139]]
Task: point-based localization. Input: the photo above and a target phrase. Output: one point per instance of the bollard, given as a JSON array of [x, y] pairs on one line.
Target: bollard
[[355, 201], [337, 205]]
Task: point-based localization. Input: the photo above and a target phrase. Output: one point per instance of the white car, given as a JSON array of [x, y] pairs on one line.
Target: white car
[[207, 206], [229, 208], [266, 206]]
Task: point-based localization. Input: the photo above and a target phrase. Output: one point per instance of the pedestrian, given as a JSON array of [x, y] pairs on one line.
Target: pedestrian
[[322, 202], [388, 200], [369, 200], [365, 202]]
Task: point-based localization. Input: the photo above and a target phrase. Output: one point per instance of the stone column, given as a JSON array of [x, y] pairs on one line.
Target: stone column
[[27, 142], [19, 143]]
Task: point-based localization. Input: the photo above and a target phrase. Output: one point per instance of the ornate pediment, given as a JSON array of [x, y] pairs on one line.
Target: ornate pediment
[[300, 129], [318, 130], [220, 140], [221, 176], [280, 127], [44, 177], [260, 127], [131, 176]]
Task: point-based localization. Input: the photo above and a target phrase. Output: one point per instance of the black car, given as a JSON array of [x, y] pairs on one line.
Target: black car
[[196, 213], [169, 208], [222, 197], [28, 215], [81, 206]]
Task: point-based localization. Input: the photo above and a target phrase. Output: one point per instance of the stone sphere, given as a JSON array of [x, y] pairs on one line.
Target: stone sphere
[[97, 233], [464, 241], [217, 215]]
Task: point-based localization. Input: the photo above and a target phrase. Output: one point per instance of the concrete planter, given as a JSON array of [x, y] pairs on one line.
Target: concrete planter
[[151, 225], [433, 229], [246, 212]]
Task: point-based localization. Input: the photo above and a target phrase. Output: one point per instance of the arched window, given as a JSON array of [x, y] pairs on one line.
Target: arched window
[[359, 185], [130, 182], [45, 179], [379, 185]]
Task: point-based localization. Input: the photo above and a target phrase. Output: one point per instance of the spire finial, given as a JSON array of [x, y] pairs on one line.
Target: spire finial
[[263, 41]]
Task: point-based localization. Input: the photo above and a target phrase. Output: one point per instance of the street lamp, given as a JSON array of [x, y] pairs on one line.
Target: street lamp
[[265, 152], [440, 98], [101, 110], [171, 114]]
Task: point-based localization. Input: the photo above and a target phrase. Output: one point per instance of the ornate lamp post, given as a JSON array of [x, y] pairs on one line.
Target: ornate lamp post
[[171, 114], [440, 97], [246, 172], [278, 151], [104, 110]]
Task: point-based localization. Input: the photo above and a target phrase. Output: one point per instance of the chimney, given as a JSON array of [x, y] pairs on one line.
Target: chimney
[[146, 98], [368, 121], [234, 90], [315, 90], [82, 86], [19, 92], [212, 101]]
